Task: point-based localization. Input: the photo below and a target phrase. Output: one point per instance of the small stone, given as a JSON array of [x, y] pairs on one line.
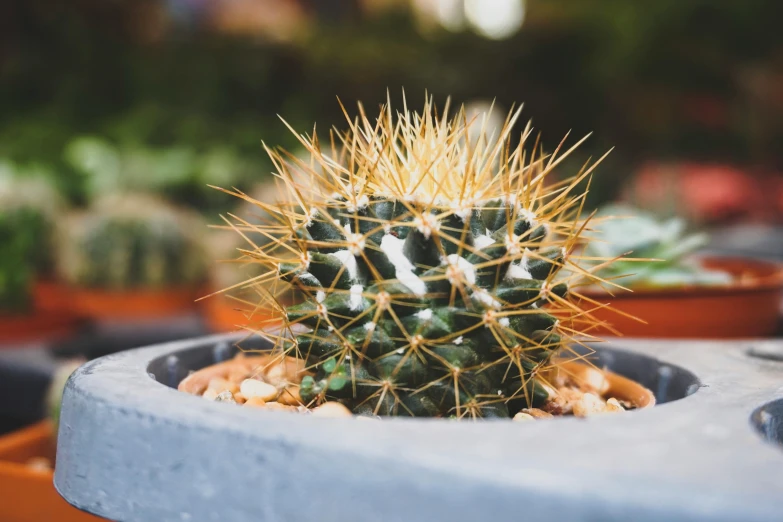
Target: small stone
[[225, 396], [613, 405], [39, 464], [589, 404], [255, 388], [536, 413], [220, 384], [210, 394], [257, 402], [279, 407], [288, 371], [522, 416], [332, 409], [239, 398], [290, 396]]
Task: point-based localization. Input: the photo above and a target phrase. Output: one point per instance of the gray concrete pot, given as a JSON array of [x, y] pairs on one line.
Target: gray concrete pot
[[133, 448]]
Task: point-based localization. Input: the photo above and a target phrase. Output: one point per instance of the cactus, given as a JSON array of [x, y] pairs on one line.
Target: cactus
[[27, 206], [426, 255], [131, 241]]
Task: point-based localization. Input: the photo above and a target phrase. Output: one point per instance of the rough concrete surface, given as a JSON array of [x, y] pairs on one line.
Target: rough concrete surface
[[132, 448]]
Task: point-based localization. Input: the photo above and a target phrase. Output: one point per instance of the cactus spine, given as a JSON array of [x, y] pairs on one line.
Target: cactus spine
[[427, 257]]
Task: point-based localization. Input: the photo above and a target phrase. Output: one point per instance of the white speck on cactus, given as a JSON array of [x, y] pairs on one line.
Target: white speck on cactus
[[311, 215], [504, 321], [349, 261], [483, 241], [320, 295], [458, 340], [427, 223], [330, 328], [517, 271], [460, 269], [529, 216], [361, 203], [392, 247], [424, 315], [386, 228], [400, 351], [484, 297], [321, 310], [461, 209], [512, 244], [369, 326], [355, 301], [355, 244]]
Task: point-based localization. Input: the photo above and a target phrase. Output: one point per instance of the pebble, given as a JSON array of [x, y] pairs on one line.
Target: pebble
[[536, 413], [279, 407], [290, 396], [210, 394], [225, 396], [332, 409], [220, 384], [589, 404], [257, 402], [255, 388], [39, 464], [522, 416], [614, 405], [285, 372]]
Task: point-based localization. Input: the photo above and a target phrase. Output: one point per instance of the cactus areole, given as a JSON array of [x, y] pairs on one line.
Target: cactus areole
[[426, 253]]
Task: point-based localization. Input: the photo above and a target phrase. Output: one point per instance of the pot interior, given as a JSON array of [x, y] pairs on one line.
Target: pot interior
[[667, 382]]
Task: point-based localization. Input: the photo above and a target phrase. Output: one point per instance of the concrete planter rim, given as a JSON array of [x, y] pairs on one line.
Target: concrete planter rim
[[669, 449]]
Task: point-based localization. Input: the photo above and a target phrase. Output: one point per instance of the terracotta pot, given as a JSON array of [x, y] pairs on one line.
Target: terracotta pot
[[132, 304], [750, 307], [35, 326], [611, 384], [224, 314], [28, 494], [52, 296]]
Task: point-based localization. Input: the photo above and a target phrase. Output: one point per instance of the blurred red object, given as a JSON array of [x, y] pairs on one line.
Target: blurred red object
[[702, 193]]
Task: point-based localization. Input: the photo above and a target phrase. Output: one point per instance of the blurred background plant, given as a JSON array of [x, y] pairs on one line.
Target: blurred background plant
[[29, 206], [166, 96], [659, 251]]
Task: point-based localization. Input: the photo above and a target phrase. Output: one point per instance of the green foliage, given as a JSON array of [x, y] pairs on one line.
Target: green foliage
[[621, 230]]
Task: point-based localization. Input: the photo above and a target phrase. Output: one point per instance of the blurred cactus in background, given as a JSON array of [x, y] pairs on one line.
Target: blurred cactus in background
[[29, 204], [131, 241]]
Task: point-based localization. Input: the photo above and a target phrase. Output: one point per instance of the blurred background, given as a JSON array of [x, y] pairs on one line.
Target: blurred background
[[116, 114]]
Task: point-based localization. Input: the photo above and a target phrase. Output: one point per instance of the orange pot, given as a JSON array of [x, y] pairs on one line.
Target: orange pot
[[28, 494], [750, 307], [131, 304], [52, 296], [224, 314], [35, 326]]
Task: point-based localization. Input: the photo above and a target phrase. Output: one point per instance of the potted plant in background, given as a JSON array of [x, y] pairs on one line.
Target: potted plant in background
[[132, 256], [29, 206], [675, 293], [27, 459]]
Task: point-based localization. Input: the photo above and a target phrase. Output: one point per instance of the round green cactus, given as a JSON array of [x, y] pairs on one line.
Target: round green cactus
[[131, 241], [427, 257]]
